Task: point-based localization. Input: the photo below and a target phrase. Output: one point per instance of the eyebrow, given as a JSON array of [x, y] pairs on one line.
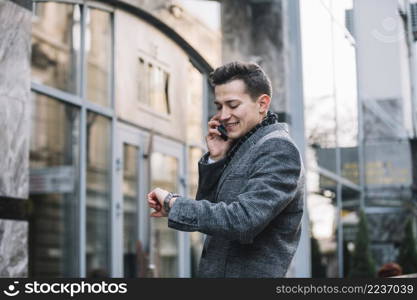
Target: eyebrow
[[227, 101]]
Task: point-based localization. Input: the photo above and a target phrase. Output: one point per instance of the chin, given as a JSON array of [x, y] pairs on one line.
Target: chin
[[234, 135]]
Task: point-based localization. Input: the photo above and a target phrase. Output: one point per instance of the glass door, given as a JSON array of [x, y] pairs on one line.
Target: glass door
[[145, 247], [130, 255], [169, 249]]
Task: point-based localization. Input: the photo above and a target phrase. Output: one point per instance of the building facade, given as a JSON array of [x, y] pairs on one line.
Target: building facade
[[361, 124], [117, 106], [103, 100]]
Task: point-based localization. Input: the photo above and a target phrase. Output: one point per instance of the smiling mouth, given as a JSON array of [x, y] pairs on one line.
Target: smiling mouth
[[231, 125]]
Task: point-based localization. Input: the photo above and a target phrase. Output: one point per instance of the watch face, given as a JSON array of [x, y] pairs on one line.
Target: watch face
[[166, 202]]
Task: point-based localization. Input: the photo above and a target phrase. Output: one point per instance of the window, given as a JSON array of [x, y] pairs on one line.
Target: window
[[98, 195], [56, 42], [153, 83], [98, 50], [54, 188], [71, 64]]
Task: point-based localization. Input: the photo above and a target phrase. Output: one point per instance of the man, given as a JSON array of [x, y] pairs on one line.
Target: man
[[251, 186]]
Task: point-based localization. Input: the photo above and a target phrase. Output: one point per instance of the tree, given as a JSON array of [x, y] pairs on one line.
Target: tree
[[363, 265], [407, 257]]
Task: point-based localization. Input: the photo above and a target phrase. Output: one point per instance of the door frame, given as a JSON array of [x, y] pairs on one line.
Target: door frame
[[127, 135], [173, 148], [136, 137]]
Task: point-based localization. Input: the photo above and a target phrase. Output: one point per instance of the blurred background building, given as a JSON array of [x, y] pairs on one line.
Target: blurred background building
[[359, 79], [102, 100]]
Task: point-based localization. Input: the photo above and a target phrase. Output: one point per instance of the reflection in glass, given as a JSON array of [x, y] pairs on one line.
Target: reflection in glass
[[322, 197], [54, 186], [130, 211], [346, 93], [56, 39], [98, 50], [350, 220], [98, 195], [350, 198], [164, 240]]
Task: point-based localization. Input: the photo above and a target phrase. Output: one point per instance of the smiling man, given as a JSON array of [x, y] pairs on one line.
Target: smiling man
[[251, 186]]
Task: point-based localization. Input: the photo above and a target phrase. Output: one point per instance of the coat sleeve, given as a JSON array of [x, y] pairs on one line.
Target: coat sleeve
[[272, 184], [208, 177]]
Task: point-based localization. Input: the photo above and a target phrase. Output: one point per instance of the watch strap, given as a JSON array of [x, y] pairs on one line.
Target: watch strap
[[168, 199]]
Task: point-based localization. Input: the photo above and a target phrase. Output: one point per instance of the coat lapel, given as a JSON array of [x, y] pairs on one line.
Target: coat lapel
[[245, 147]]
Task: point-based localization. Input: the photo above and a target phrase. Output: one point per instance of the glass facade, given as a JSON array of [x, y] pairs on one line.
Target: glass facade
[[74, 217], [98, 200], [331, 121], [54, 188], [66, 37], [56, 40], [82, 224], [98, 36]]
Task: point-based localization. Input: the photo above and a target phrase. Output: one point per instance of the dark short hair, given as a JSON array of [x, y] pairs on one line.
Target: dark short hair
[[390, 269], [255, 79]]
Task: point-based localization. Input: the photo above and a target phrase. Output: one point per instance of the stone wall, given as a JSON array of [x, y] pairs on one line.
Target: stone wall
[[256, 31], [15, 30]]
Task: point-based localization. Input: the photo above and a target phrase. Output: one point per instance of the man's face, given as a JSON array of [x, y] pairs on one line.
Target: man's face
[[235, 108]]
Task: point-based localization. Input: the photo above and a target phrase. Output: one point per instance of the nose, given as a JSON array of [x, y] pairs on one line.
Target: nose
[[224, 114]]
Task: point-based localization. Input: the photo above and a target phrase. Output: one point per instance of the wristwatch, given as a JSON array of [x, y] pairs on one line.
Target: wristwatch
[[168, 199]]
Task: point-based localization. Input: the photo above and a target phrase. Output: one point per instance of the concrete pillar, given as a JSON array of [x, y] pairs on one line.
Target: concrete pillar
[[255, 31], [15, 40]]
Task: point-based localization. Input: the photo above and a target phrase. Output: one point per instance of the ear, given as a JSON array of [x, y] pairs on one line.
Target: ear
[[264, 101]]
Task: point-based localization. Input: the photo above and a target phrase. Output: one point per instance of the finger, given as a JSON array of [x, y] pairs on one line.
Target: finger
[[214, 132], [154, 206], [153, 200], [152, 203], [151, 195], [214, 123], [215, 117]]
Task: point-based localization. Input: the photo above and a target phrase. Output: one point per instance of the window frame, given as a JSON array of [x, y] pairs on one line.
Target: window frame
[[79, 100]]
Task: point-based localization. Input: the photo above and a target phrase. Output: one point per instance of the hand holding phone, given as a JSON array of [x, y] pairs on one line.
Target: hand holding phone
[[218, 142], [223, 132]]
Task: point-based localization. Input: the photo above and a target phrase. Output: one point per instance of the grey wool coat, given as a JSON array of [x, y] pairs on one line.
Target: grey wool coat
[[251, 211]]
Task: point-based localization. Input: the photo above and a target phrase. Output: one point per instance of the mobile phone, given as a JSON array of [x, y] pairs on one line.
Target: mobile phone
[[223, 132]]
